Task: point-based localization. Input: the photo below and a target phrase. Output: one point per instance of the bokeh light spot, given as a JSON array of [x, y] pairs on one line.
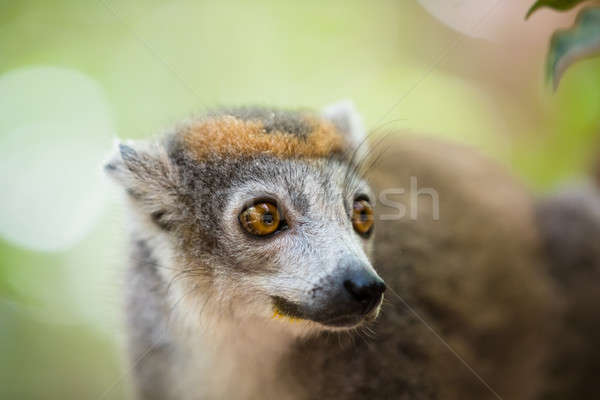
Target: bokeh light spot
[[55, 129]]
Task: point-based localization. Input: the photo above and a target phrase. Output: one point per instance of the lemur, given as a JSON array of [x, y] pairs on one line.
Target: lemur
[[260, 259]]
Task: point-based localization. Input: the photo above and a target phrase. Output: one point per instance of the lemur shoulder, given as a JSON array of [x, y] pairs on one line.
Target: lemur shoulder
[[261, 256]]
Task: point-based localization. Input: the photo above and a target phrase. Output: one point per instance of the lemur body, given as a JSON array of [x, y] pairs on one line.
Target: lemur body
[[256, 274]]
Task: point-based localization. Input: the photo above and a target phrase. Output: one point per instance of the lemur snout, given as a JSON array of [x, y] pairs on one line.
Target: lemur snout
[[350, 296], [364, 288]]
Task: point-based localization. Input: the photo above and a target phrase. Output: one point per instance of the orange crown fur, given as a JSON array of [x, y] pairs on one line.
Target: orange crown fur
[[230, 136]]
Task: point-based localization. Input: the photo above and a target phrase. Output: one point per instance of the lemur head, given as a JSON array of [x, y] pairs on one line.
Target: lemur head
[[259, 213]]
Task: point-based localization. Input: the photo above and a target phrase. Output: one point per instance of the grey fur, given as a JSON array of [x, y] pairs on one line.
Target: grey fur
[[293, 122], [201, 290]]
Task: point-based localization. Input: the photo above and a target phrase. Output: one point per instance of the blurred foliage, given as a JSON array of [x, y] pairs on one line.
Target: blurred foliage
[[562, 5], [157, 62], [568, 46], [581, 41]]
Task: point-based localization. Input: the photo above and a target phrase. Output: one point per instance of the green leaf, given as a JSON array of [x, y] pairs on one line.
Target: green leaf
[[582, 40], [561, 5]]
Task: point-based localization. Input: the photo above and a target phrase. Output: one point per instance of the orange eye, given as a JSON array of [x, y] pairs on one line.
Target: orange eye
[[362, 217], [260, 219]]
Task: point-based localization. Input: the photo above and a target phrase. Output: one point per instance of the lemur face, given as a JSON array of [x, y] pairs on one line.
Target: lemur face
[[302, 234], [263, 214]]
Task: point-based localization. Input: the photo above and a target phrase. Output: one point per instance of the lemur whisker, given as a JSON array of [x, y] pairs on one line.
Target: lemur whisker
[[374, 162], [357, 174], [182, 274], [352, 165]]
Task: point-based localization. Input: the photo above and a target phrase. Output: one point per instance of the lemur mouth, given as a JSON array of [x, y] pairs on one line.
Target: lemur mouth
[[287, 308], [326, 318]]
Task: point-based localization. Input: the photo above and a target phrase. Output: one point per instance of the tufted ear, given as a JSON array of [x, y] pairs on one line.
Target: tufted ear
[[148, 177], [344, 116]]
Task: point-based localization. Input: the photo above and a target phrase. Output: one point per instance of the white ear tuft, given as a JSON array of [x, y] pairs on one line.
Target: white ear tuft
[[344, 116]]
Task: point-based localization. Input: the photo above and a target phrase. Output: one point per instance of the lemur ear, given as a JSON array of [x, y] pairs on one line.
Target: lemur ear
[[344, 116], [149, 178]]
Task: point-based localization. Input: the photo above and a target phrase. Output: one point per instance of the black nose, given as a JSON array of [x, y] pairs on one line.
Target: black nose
[[365, 289]]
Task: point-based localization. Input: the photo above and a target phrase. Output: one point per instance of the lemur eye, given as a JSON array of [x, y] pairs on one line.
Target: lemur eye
[[362, 217], [261, 219]]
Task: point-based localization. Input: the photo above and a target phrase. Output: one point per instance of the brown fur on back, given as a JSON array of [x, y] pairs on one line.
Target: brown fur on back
[[570, 227], [475, 276]]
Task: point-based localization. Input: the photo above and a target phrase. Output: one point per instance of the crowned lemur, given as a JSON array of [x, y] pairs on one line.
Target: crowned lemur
[[260, 257]]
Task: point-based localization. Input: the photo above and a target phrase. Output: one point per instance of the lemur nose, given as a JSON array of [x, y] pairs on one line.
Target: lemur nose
[[366, 289]]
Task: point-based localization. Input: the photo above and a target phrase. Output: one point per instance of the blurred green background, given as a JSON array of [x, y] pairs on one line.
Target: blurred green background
[[74, 75]]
